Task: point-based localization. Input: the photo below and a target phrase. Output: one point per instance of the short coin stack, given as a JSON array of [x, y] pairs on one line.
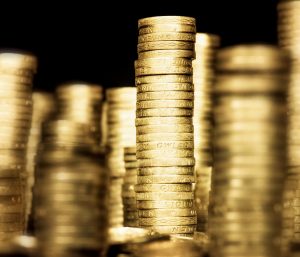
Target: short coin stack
[[128, 193], [16, 74], [203, 79], [81, 102], [289, 39], [164, 123], [43, 108], [70, 191], [121, 104], [249, 151]]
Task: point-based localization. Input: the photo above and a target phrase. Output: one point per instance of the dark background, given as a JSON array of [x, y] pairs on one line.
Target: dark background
[[87, 41]]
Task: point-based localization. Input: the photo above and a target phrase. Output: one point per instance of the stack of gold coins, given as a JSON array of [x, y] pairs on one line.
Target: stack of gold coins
[[203, 79], [70, 191], [128, 193], [103, 126], [164, 121], [81, 102], [121, 104], [16, 74], [289, 39], [43, 108], [249, 151]]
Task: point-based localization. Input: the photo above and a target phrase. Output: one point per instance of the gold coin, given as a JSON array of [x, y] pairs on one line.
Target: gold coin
[[164, 112], [167, 53], [176, 128], [165, 136], [165, 171], [152, 62], [155, 196], [163, 204], [157, 70], [167, 153], [163, 188], [166, 36], [165, 145], [168, 221], [165, 45], [164, 79], [165, 95], [166, 20], [164, 87], [172, 229], [164, 104], [167, 28], [166, 213], [163, 120], [172, 179]]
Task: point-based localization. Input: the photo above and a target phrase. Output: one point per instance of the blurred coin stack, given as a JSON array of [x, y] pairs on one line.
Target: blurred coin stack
[[203, 79], [128, 193], [70, 191], [16, 74], [164, 123], [43, 108], [289, 39], [121, 104], [81, 102], [103, 126], [249, 151]]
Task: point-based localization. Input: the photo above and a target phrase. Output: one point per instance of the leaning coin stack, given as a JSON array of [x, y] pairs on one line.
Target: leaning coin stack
[[16, 74], [128, 193], [249, 151], [81, 102], [70, 191], [121, 104], [43, 108], [203, 79], [289, 39], [164, 122]]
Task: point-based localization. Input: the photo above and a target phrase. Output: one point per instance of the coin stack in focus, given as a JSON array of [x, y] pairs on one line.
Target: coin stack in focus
[[121, 104], [203, 79], [16, 74], [128, 193], [289, 39], [81, 102], [43, 108], [164, 122], [70, 191], [249, 151]]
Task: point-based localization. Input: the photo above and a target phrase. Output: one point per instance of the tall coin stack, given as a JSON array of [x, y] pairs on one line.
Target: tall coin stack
[[203, 79], [289, 39], [128, 192], [121, 104], [81, 102], [43, 108], [70, 191], [249, 151], [164, 123], [16, 74]]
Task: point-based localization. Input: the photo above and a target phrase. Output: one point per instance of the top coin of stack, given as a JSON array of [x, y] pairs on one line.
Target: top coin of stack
[[16, 74], [81, 102], [165, 142], [203, 78], [249, 151], [289, 39]]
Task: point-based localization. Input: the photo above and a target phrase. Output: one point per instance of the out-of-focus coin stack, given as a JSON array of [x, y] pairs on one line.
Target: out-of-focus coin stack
[[164, 121], [203, 79], [81, 102], [289, 39], [128, 193], [121, 104], [249, 151], [16, 74], [43, 108], [103, 126], [70, 191]]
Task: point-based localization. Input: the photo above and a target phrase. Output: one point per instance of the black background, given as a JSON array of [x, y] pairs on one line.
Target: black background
[[95, 41]]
